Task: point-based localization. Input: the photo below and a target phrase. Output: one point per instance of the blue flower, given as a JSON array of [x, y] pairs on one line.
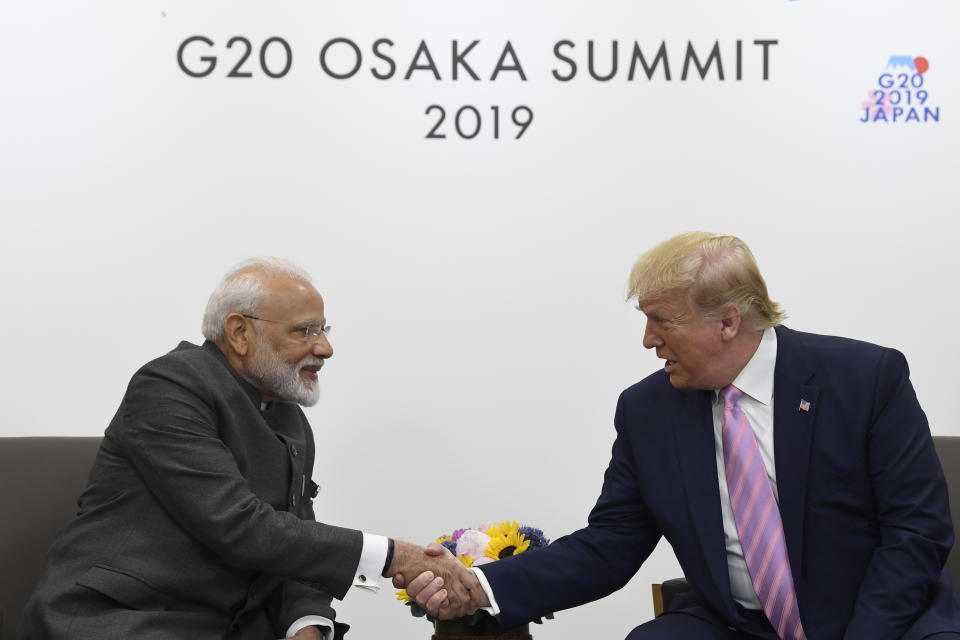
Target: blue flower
[[450, 545], [535, 536]]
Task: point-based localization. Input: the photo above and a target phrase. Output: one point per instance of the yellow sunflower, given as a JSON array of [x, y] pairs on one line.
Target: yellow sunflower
[[508, 544], [443, 539], [502, 529], [467, 561]]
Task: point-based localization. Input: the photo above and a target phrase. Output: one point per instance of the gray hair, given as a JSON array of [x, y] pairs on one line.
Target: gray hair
[[242, 290]]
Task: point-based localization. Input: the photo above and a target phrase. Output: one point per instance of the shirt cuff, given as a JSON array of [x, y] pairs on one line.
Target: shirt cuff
[[372, 557], [326, 626], [494, 608]]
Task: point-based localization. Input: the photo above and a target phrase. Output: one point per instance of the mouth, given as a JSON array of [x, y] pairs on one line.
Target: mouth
[[311, 370], [669, 365]]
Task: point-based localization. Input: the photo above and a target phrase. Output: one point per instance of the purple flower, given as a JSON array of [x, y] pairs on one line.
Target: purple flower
[[450, 545], [456, 534]]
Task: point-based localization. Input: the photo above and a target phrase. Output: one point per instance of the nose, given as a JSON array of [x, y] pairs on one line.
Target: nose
[[650, 338], [321, 347]]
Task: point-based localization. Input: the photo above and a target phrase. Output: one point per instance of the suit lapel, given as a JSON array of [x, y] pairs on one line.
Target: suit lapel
[[794, 410], [696, 451]]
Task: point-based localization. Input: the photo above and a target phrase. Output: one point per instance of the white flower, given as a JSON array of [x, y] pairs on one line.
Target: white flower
[[472, 543]]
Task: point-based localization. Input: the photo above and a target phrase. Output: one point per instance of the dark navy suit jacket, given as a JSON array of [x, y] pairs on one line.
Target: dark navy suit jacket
[[862, 498]]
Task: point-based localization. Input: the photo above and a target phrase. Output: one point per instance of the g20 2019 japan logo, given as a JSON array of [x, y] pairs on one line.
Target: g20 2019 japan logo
[[901, 94]]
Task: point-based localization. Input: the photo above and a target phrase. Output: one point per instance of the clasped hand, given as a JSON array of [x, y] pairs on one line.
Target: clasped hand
[[443, 586]]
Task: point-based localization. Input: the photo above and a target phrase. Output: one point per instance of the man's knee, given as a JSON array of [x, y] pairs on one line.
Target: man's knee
[[680, 626]]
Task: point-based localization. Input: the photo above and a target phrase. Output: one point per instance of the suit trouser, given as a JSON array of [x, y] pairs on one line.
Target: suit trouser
[[85, 614], [680, 626], [683, 626]]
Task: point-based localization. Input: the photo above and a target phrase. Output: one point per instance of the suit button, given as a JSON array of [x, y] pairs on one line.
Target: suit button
[[293, 499], [294, 451]]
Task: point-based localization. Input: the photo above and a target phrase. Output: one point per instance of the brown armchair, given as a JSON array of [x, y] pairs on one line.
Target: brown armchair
[[40, 481]]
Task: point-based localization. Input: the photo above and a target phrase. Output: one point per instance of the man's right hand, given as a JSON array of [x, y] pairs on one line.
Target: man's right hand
[[443, 587]]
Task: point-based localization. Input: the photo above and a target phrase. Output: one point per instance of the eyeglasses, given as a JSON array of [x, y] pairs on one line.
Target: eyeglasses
[[310, 332]]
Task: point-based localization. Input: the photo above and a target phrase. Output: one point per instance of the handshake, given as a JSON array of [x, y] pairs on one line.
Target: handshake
[[440, 583]]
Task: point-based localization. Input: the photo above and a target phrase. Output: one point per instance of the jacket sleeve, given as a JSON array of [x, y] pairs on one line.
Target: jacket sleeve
[[915, 532], [296, 601], [170, 434], [587, 564]]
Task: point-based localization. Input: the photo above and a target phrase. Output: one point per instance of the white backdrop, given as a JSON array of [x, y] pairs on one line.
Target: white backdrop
[[475, 285]]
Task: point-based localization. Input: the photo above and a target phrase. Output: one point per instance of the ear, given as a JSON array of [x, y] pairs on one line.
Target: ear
[[730, 323], [237, 334]]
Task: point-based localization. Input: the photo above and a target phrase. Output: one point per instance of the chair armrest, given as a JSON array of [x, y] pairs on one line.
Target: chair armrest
[[664, 593]]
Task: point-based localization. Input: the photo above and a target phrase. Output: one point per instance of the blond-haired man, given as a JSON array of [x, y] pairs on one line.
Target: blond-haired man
[[792, 473]]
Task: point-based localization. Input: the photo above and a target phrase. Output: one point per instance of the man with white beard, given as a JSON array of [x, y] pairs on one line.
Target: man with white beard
[[197, 520]]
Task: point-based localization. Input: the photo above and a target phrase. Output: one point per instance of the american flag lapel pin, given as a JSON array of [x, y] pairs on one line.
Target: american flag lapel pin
[[804, 405]]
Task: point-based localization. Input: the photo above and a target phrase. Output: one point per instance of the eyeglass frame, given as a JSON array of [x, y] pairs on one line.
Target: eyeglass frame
[[308, 335]]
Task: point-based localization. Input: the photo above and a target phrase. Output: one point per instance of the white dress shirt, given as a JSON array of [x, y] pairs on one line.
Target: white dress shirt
[[756, 383]]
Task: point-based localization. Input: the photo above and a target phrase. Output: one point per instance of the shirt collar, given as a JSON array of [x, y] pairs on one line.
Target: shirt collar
[[756, 379]]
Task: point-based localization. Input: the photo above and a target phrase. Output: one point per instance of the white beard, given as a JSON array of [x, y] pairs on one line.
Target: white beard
[[269, 373]]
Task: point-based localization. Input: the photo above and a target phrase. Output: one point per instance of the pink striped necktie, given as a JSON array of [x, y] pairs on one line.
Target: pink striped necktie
[[758, 520]]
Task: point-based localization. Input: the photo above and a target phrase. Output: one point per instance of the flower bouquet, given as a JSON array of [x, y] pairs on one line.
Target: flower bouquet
[[474, 547]]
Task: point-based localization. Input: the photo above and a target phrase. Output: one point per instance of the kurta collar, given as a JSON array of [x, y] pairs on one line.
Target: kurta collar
[[251, 391]]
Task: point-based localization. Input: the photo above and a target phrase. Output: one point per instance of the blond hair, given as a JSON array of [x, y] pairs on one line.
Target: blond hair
[[716, 270]]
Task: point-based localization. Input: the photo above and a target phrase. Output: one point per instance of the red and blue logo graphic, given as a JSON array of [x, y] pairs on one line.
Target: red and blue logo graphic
[[901, 94]]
